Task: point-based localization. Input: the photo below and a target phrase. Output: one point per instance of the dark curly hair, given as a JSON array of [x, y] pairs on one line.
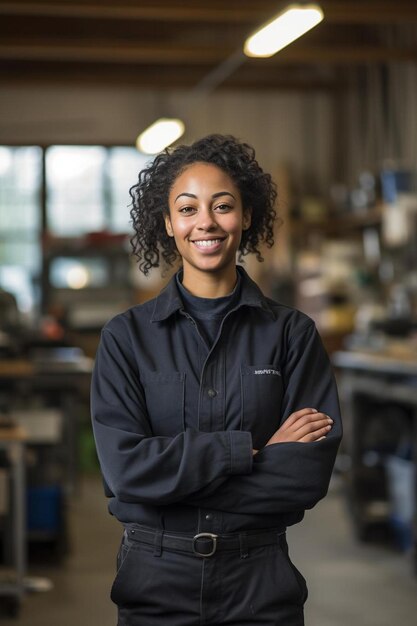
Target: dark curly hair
[[150, 197]]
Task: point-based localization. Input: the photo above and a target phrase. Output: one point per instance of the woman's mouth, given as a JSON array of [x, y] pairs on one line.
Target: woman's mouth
[[208, 244]]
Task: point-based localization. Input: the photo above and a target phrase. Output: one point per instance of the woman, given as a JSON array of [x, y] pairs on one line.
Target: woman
[[210, 406]]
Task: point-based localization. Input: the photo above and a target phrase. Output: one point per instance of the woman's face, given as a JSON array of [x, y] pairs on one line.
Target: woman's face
[[206, 219]]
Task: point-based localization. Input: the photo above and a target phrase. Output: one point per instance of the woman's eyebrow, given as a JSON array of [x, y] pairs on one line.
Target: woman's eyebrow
[[223, 193], [184, 193], [215, 195]]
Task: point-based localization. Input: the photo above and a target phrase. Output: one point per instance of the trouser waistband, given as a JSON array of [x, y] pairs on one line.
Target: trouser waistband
[[202, 544]]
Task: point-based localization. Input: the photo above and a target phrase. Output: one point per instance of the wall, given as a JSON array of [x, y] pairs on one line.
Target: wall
[[380, 120], [283, 127]]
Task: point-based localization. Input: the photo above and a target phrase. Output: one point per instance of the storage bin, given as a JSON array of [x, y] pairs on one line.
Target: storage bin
[[402, 496], [44, 508], [43, 426]]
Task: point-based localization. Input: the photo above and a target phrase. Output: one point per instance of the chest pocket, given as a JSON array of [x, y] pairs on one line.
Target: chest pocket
[[164, 393], [262, 391]]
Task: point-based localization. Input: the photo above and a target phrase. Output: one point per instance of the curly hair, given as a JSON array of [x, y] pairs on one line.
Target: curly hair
[[150, 241]]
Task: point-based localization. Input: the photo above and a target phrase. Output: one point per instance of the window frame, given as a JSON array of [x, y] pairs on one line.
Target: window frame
[[43, 232]]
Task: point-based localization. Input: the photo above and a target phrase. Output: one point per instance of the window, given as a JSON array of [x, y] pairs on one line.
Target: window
[[124, 166], [20, 222], [86, 189], [74, 189]]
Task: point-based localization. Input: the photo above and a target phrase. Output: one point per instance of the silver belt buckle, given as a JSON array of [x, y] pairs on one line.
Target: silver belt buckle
[[205, 536]]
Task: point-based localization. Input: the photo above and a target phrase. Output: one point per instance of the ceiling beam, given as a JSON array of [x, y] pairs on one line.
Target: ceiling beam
[[96, 10], [366, 12], [79, 52], [343, 54], [349, 12], [165, 80], [110, 53]]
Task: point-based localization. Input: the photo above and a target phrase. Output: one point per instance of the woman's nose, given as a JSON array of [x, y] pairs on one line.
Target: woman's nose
[[206, 220]]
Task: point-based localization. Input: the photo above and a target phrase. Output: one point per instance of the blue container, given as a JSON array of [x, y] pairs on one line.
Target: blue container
[[394, 182], [402, 533], [401, 491], [44, 508]]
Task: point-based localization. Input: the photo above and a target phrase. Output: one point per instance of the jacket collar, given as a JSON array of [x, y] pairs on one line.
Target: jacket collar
[[169, 300]]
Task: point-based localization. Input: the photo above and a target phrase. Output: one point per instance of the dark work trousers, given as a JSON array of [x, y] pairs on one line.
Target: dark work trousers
[[252, 587]]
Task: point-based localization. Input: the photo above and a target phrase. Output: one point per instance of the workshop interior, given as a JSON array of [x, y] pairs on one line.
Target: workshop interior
[[91, 92]]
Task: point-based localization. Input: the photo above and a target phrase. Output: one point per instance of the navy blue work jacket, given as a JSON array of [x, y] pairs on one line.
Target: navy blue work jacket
[[175, 422]]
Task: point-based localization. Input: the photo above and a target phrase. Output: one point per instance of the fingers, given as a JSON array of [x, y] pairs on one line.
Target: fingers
[[309, 426], [294, 417], [317, 435], [312, 421], [304, 425], [301, 418]]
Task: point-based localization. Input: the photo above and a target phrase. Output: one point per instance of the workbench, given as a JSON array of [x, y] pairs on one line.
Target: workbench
[[372, 384], [63, 380], [12, 441], [59, 386]]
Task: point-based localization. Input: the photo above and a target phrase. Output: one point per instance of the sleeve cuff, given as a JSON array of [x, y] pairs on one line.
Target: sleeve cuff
[[241, 452]]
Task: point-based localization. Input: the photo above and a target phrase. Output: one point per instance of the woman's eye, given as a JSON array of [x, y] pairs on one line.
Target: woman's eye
[[186, 210], [223, 208]]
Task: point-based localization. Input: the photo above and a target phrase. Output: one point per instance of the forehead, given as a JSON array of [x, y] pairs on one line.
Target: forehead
[[203, 176]]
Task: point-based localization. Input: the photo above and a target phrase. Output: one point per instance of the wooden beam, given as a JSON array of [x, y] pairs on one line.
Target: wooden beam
[[341, 54], [349, 12], [166, 13], [368, 12], [163, 80], [79, 52], [160, 54]]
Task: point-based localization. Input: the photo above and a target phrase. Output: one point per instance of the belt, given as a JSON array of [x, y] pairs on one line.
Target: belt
[[203, 544]]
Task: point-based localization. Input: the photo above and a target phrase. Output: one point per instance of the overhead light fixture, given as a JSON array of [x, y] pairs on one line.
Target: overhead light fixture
[[160, 135], [290, 24]]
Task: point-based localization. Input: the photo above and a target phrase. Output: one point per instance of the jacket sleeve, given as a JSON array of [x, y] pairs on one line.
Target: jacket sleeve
[[137, 466], [293, 476]]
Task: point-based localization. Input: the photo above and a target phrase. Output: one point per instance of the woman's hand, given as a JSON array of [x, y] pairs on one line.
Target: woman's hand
[[305, 425]]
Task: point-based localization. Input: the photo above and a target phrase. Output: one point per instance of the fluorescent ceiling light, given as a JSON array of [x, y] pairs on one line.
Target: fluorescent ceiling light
[[290, 24], [159, 135]]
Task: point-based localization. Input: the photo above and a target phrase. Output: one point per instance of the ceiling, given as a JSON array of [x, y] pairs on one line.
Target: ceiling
[[195, 44]]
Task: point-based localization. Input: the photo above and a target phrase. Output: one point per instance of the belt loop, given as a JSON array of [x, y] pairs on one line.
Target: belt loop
[[157, 546], [243, 546]]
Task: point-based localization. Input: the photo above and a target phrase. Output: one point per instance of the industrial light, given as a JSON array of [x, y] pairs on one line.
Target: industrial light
[[159, 135], [290, 24], [77, 277]]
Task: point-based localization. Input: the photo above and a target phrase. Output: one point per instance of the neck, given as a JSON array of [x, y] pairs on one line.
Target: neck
[[210, 284]]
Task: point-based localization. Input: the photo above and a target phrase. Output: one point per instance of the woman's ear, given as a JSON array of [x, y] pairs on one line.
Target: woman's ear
[[247, 219], [168, 225]]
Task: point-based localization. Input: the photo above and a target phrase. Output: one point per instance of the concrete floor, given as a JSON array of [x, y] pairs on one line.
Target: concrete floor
[[349, 583]]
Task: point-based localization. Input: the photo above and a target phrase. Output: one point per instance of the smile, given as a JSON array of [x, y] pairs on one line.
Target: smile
[[207, 243]]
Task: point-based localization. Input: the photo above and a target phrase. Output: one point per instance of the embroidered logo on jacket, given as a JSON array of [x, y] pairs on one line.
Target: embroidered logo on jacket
[[268, 371]]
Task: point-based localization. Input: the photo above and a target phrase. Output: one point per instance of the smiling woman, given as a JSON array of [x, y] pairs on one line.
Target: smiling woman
[[210, 406], [207, 225], [152, 197]]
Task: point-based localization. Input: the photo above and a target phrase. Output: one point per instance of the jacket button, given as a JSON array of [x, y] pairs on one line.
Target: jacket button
[[212, 393], [209, 517]]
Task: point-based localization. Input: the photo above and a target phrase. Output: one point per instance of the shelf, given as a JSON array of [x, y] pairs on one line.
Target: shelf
[[337, 224]]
